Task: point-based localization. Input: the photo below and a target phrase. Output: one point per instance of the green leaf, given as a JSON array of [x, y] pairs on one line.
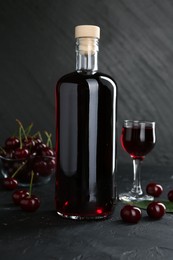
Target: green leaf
[[144, 204], [140, 204]]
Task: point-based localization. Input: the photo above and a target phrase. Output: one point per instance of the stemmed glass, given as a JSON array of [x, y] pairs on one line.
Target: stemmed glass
[[138, 139]]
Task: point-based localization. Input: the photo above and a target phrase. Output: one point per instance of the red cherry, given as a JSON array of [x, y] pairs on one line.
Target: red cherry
[[51, 164], [38, 147], [170, 195], [28, 143], [10, 183], [18, 195], [156, 210], [44, 166], [130, 214], [46, 151], [154, 189], [9, 154], [21, 153], [40, 166], [12, 142], [37, 141], [30, 203]]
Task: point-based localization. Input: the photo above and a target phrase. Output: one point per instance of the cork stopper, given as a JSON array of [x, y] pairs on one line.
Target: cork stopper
[[91, 31]]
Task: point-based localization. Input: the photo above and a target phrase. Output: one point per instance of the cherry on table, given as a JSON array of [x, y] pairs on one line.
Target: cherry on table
[[156, 210], [18, 195], [10, 183], [170, 195], [130, 214], [154, 189], [30, 203]]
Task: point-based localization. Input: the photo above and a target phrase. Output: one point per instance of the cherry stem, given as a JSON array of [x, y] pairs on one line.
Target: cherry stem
[[3, 150], [20, 137], [39, 135], [18, 169], [49, 141], [31, 182], [22, 128], [28, 130]]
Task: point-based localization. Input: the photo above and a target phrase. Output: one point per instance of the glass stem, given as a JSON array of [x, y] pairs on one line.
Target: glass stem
[[136, 189]]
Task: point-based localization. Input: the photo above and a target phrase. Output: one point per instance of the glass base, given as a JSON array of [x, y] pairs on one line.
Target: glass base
[[129, 196]]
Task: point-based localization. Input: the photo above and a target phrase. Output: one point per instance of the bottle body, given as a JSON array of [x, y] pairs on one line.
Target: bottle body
[[86, 110]]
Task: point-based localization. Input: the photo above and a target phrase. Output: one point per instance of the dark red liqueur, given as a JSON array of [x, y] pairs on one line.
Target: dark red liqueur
[[137, 141], [85, 145]]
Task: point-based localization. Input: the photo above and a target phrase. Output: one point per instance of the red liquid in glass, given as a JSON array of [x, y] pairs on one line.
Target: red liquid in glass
[[138, 141], [85, 149]]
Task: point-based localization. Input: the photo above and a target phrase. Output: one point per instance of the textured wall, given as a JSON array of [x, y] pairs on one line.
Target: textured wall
[[37, 47]]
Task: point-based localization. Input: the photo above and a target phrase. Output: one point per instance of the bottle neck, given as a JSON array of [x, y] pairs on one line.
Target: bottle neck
[[87, 55]]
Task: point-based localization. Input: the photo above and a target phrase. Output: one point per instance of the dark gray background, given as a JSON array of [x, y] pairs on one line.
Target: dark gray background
[[136, 48]]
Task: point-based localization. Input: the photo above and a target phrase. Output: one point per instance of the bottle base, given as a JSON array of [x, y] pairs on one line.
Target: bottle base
[[82, 217]]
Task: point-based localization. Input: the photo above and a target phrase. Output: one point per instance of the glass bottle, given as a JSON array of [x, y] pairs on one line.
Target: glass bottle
[[86, 111]]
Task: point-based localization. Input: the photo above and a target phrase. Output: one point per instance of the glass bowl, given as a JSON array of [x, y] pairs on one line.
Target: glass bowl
[[42, 166]]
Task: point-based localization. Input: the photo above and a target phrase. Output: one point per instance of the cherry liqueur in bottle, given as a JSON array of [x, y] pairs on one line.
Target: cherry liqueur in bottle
[[86, 108]]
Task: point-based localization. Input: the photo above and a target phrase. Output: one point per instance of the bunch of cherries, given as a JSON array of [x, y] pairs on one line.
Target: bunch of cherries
[[25, 199], [26, 158], [155, 209]]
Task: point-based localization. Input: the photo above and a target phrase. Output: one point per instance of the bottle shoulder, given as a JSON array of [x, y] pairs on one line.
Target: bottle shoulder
[[76, 77]]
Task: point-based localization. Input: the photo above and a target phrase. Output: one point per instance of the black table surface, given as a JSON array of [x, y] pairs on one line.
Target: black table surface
[[44, 235]]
